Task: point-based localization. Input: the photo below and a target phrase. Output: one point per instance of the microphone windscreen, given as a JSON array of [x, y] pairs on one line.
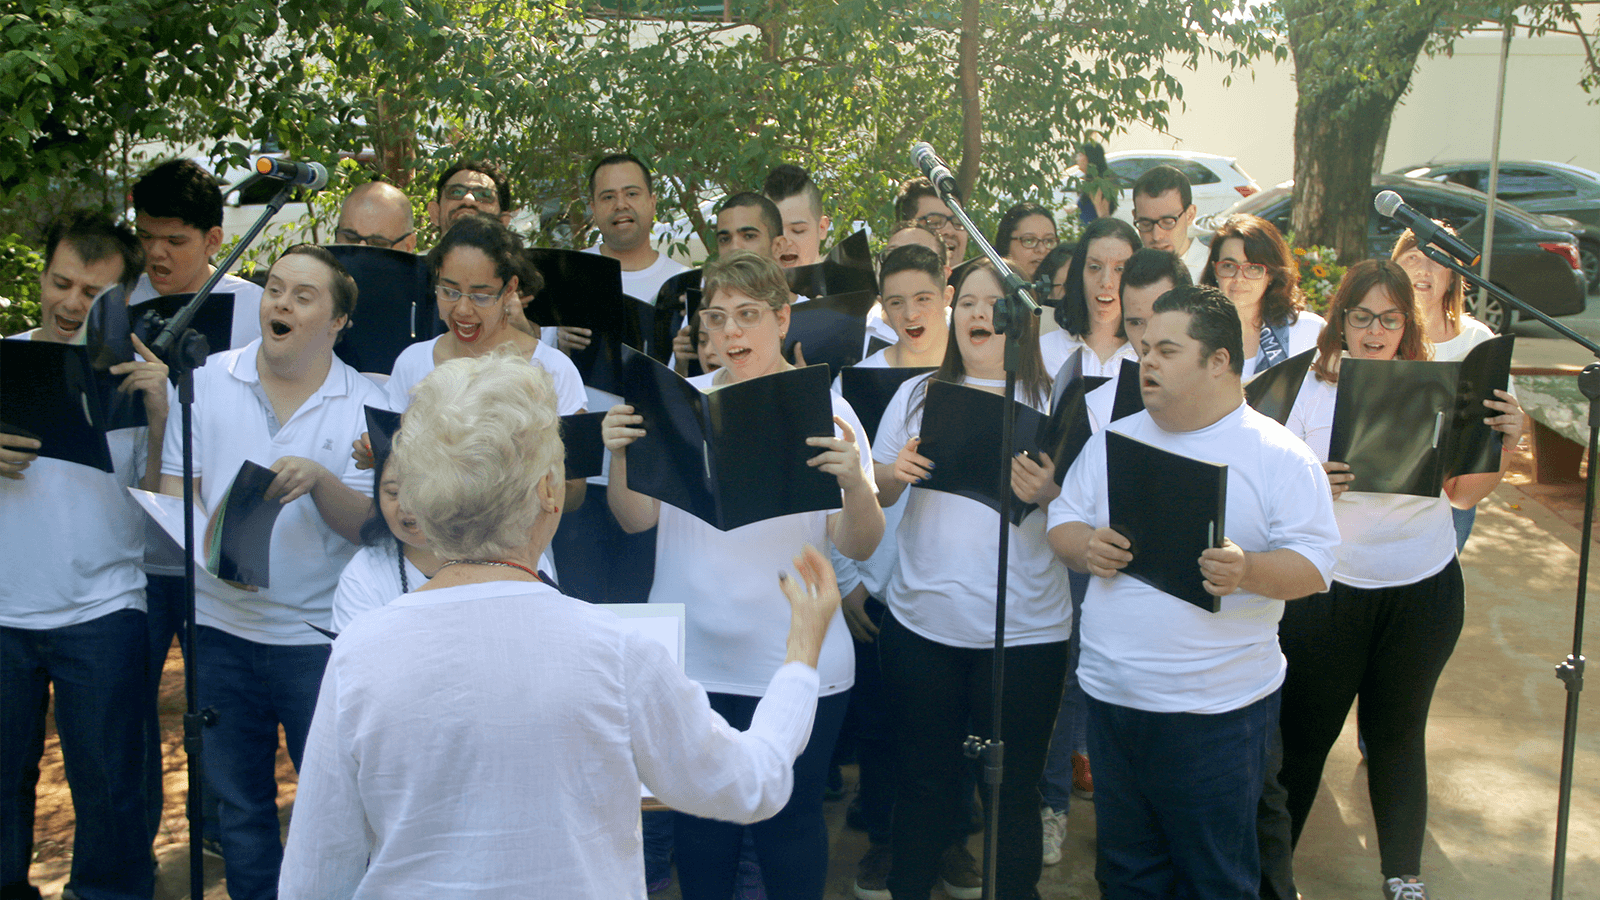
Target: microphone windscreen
[[1387, 202]]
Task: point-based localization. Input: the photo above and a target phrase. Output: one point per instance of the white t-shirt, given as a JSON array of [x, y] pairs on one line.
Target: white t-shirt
[[738, 617], [1303, 336], [1145, 649], [948, 547], [1471, 334], [1057, 347], [74, 538], [876, 570], [489, 740], [1386, 540], [233, 422], [246, 305], [370, 580], [416, 362]]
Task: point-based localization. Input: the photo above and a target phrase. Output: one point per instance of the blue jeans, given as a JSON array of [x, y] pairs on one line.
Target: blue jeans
[[1463, 519], [792, 845], [97, 670], [1175, 800], [1071, 733], [253, 688]]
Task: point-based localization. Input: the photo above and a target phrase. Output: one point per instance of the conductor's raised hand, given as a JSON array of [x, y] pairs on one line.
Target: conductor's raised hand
[[146, 375], [361, 451], [1034, 482], [620, 427], [910, 466], [840, 456], [16, 453], [297, 476], [1224, 568], [569, 338], [1339, 477], [1108, 552], [813, 599]]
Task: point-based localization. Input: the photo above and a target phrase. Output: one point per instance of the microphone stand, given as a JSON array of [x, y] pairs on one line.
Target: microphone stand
[[184, 350], [1016, 303], [1570, 670]]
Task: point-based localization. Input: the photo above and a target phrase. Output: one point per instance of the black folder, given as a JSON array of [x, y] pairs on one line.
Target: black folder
[[831, 329], [382, 424], [1171, 509], [108, 341], [1273, 392], [584, 290], [1405, 426], [240, 541], [395, 305], [961, 435], [1065, 433], [847, 269], [214, 319], [586, 452], [868, 391], [1129, 398], [48, 392], [734, 456]]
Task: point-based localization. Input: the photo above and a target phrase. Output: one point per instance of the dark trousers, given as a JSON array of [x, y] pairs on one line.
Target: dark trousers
[[253, 688], [874, 736], [792, 845], [1386, 646], [935, 691], [1175, 800], [97, 671], [599, 562]]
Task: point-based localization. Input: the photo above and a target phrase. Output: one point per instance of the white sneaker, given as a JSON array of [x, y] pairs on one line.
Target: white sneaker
[[1408, 888], [1055, 832]]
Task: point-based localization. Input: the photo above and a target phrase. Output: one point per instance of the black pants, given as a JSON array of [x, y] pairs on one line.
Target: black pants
[[934, 691], [1388, 647]]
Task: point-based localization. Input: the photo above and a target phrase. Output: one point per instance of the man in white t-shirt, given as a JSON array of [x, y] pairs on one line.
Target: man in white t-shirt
[[72, 603], [1183, 702], [284, 402], [177, 212], [1163, 210]]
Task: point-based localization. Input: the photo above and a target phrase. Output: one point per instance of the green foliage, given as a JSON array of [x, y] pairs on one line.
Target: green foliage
[[1320, 274], [20, 266]]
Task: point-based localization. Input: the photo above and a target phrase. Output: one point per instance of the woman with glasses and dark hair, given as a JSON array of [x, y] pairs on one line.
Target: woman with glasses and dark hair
[[1089, 308], [1387, 626], [1025, 234], [735, 614], [1251, 262], [478, 268]]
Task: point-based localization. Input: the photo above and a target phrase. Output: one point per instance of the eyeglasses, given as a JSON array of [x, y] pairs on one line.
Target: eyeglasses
[[1031, 241], [449, 294], [480, 193], [937, 221], [1227, 268], [717, 320], [351, 236], [1360, 317], [1167, 223]]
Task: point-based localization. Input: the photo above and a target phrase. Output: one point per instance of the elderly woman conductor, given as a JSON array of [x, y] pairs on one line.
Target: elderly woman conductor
[[484, 735]]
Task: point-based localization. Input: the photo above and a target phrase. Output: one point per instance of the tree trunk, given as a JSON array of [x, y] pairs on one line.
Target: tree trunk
[[971, 88], [394, 138], [1333, 168]]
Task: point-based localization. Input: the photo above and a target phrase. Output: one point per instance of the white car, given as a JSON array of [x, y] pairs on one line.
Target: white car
[[1217, 182]]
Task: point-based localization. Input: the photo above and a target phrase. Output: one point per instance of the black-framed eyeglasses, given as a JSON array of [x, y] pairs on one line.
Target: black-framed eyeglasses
[[1227, 268], [1361, 318], [1146, 226], [351, 236], [937, 221], [1031, 241]]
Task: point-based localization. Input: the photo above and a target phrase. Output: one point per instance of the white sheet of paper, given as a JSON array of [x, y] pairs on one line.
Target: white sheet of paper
[[167, 511]]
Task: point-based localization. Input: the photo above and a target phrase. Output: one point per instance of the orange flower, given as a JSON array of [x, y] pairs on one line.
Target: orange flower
[[1319, 271]]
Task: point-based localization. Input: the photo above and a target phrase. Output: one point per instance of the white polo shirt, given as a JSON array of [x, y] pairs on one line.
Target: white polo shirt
[[74, 538], [234, 422]]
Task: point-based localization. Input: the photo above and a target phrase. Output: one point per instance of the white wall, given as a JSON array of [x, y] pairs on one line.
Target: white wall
[[1448, 113]]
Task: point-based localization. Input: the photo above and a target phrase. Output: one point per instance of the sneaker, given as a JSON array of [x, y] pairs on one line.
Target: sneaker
[[1082, 781], [872, 874], [959, 872], [1055, 832], [1407, 888]]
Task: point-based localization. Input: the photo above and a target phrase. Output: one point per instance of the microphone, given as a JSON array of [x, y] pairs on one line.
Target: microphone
[[312, 176], [1427, 230], [936, 170]]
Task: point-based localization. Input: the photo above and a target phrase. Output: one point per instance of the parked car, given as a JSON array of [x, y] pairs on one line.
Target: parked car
[[1533, 261], [1216, 181], [1541, 188]]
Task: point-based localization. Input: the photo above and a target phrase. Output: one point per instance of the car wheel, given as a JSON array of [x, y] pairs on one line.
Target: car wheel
[[1589, 260], [1489, 310]]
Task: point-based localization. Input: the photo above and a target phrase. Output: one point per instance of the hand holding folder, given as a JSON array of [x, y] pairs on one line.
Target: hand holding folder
[[1171, 510]]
